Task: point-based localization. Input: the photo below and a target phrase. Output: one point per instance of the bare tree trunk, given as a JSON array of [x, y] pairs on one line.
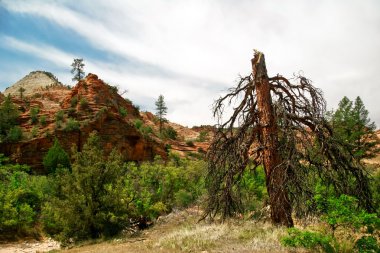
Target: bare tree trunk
[[281, 210]]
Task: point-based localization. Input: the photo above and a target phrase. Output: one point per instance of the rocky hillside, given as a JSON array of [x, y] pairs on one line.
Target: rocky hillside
[[70, 115], [33, 82], [51, 110]]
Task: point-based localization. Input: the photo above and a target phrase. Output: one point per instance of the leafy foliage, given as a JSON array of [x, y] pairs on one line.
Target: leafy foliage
[[72, 125], [56, 157], [14, 134], [90, 201], [309, 240], [34, 114], [352, 124], [123, 112], [169, 132], [154, 185], [43, 120], [101, 196], [8, 117], [83, 103], [343, 212], [21, 196]]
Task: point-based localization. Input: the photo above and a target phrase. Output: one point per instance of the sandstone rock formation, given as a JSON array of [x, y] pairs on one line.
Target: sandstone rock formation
[[33, 82], [71, 115]]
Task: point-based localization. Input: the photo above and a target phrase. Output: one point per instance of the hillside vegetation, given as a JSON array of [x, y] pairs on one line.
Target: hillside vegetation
[[85, 167]]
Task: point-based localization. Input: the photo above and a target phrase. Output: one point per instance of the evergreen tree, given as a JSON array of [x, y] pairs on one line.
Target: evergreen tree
[[56, 157], [77, 69], [353, 126], [21, 90], [161, 111], [8, 117], [90, 201]]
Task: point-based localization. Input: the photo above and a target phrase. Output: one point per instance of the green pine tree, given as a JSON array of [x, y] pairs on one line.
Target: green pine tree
[[77, 69], [353, 126], [56, 157], [8, 117], [161, 111]]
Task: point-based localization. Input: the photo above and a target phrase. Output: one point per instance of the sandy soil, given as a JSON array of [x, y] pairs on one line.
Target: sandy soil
[[29, 246]]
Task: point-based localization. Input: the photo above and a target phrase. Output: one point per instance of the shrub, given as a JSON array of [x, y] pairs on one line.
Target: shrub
[[90, 201], [20, 199], [123, 112], [34, 132], [146, 130], [190, 143], [14, 134], [201, 150], [176, 184], [43, 120], [83, 103], [138, 123], [170, 133], [34, 114], [367, 244], [59, 116], [309, 240], [56, 157], [74, 101], [203, 135], [8, 117], [183, 198], [72, 125]]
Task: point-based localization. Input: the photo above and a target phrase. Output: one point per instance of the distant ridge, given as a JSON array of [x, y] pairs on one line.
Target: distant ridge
[[32, 82]]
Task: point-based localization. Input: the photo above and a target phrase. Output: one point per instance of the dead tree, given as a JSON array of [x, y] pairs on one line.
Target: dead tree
[[280, 125]]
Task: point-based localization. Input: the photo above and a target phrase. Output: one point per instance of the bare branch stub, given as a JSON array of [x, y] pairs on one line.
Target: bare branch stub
[[278, 123]]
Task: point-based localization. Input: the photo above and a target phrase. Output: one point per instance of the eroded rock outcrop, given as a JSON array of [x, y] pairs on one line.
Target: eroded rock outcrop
[[71, 115]]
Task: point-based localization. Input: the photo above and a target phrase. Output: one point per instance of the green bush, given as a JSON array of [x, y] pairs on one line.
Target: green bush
[[56, 157], [203, 135], [173, 184], [253, 189], [367, 244], [310, 240], [90, 201], [123, 112], [8, 117], [72, 125], [190, 143], [183, 198], [343, 212], [34, 114], [21, 196], [14, 134], [74, 101], [170, 133], [43, 120], [83, 103], [146, 130], [138, 123], [34, 131], [59, 116]]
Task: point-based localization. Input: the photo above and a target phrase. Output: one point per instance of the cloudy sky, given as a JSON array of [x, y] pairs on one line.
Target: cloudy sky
[[192, 51]]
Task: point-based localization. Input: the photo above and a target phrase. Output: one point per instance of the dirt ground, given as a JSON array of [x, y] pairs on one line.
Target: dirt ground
[[30, 246]]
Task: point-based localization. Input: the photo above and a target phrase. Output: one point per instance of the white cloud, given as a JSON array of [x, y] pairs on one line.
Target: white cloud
[[207, 43]]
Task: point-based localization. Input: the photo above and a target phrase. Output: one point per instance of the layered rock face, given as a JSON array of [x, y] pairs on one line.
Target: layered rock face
[[71, 115], [32, 83]]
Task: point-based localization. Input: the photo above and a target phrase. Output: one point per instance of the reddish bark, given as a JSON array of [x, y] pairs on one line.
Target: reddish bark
[[281, 210]]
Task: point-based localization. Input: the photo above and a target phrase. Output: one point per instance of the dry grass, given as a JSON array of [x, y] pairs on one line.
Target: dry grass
[[180, 232]]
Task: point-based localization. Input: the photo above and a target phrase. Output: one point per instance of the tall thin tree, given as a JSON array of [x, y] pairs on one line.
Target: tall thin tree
[[161, 111], [278, 124], [77, 69]]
